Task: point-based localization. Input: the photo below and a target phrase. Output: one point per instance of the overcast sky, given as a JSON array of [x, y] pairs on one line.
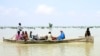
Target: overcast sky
[[42, 12]]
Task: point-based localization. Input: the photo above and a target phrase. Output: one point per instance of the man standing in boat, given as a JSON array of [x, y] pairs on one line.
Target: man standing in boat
[[19, 27]]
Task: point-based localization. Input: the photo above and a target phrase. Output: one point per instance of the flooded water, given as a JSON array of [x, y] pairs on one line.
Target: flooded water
[[62, 49]]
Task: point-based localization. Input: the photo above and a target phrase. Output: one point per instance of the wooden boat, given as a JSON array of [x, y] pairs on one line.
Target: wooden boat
[[80, 39]]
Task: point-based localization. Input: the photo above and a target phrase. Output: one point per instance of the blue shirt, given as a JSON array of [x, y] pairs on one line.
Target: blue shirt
[[62, 36]]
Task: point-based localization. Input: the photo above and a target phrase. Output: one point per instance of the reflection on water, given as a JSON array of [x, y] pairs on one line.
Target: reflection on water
[[65, 49], [87, 49]]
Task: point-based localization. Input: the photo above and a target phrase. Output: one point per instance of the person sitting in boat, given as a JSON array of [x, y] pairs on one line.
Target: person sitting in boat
[[62, 36], [49, 36], [87, 33], [31, 35], [35, 37], [18, 35], [26, 36], [22, 35]]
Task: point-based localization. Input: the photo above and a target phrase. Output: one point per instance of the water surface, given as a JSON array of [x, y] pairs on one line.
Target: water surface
[[62, 49]]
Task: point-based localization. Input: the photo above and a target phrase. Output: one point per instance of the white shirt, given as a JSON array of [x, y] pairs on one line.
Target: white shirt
[[49, 37], [19, 28]]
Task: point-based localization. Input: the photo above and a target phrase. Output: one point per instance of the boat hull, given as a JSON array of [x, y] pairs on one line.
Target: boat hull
[[80, 39]]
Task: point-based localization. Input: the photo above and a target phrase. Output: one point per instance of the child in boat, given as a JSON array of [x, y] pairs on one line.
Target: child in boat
[[87, 33], [62, 36], [18, 35]]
